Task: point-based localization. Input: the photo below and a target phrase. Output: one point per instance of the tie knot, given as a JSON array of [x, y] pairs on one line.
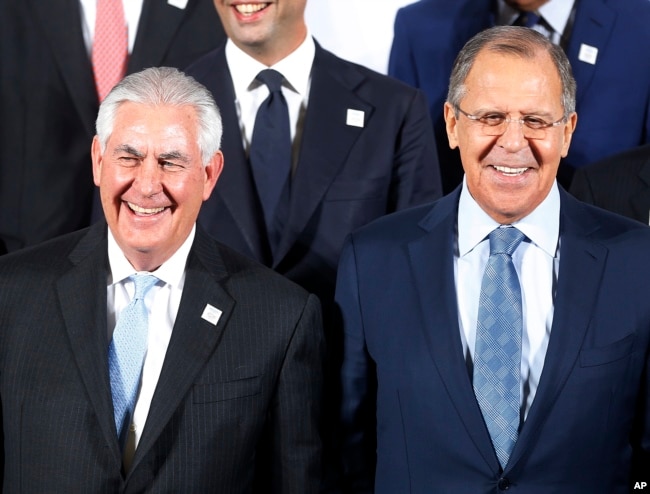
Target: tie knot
[[272, 78], [143, 283], [527, 19], [505, 240]]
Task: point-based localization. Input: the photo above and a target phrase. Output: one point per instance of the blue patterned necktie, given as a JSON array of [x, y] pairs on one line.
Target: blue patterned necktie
[[270, 156], [126, 355], [497, 354]]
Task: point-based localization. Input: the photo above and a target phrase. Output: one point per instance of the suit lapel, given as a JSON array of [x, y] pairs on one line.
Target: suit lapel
[[86, 324], [61, 23], [582, 263], [235, 186], [441, 329], [159, 21], [193, 338], [332, 94], [594, 22]]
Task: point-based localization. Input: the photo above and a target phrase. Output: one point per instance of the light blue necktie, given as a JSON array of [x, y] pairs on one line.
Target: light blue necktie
[[497, 354], [126, 354]]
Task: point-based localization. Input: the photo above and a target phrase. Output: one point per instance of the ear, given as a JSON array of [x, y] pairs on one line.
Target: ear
[[212, 172], [568, 130], [451, 123], [96, 155]]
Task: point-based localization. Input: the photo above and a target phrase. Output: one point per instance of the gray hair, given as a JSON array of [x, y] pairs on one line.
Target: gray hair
[[164, 86], [512, 40]]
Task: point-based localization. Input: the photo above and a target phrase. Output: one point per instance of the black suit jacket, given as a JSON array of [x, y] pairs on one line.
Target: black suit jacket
[[620, 183], [48, 105], [236, 405], [346, 176]]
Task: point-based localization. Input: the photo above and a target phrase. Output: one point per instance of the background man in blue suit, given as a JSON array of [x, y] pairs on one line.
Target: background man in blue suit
[[576, 418], [602, 39]]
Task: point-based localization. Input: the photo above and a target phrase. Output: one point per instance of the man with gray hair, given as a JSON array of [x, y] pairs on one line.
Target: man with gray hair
[[140, 355], [504, 341]]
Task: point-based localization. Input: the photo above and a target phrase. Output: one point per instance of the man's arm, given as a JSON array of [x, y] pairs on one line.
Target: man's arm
[[400, 61], [416, 170], [294, 453], [358, 384], [641, 437]]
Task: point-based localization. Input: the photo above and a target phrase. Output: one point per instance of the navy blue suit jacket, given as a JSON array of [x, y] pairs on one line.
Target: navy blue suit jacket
[[590, 419], [613, 97], [346, 176]]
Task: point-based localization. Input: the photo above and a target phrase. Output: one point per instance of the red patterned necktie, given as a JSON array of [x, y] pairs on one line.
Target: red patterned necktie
[[110, 46]]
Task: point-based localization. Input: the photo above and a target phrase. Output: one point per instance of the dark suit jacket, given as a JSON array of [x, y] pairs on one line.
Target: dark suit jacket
[[620, 183], [430, 33], [345, 177], [48, 105], [236, 404], [591, 415]]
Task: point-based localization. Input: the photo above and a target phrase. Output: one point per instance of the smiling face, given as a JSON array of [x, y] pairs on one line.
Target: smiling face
[[151, 179], [510, 175], [267, 31]]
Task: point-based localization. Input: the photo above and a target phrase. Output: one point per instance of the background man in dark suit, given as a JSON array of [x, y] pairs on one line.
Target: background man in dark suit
[[429, 345], [229, 395], [48, 101], [360, 146], [620, 183], [361, 143], [600, 37]]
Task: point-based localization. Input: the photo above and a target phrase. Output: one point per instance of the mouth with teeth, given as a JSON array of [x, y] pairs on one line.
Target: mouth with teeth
[[510, 172], [140, 211], [247, 9]]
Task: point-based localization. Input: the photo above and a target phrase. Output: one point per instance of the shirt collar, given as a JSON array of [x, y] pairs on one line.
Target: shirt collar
[[555, 12], [170, 272], [541, 226], [296, 67]]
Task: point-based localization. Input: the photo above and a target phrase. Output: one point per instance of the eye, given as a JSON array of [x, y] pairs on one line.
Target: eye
[[128, 160], [492, 119], [535, 122], [170, 165]]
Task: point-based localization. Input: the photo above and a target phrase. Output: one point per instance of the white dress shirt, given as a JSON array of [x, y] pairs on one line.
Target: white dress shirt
[[162, 302], [132, 11], [536, 261], [557, 14], [250, 93]]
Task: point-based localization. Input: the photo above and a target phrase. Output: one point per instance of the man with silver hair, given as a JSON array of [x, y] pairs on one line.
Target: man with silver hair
[[504, 342], [141, 355]]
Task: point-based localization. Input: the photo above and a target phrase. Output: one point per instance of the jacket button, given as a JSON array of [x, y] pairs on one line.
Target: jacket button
[[503, 484]]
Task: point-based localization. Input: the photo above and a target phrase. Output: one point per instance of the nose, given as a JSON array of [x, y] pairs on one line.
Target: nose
[[148, 178], [513, 138]]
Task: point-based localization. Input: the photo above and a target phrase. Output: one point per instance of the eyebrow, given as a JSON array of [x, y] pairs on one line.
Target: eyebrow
[[170, 155], [174, 155], [126, 148]]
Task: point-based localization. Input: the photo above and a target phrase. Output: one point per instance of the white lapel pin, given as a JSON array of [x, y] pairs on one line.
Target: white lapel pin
[[180, 4], [588, 54], [355, 118], [211, 314]]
